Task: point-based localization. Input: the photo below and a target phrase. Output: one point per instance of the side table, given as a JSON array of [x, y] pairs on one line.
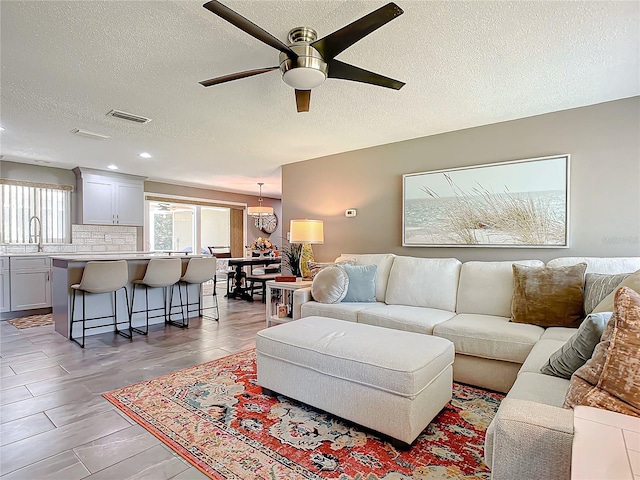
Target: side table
[[280, 300], [606, 445]]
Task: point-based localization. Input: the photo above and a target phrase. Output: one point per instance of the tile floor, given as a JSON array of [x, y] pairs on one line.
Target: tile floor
[[54, 422]]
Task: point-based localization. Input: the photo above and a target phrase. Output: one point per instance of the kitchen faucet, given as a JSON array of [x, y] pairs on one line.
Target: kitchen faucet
[[38, 234]]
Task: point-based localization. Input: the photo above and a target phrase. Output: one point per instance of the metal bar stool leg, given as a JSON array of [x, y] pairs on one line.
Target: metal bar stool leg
[[115, 315], [84, 316]]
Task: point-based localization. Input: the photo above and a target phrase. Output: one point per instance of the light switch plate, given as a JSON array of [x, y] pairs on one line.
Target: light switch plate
[[350, 212]]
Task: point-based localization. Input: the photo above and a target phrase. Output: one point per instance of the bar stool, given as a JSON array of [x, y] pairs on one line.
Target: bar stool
[[161, 273], [199, 271], [101, 277]]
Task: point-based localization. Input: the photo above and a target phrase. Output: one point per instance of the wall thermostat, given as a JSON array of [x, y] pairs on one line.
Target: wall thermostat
[[350, 212]]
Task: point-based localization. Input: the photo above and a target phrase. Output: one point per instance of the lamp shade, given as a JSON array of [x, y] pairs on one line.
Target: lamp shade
[[259, 210], [306, 231]]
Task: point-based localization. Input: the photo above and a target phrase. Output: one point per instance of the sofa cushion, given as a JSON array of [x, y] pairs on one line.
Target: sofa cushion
[[597, 286], [362, 283], [424, 282], [403, 317], [558, 333], [341, 311], [548, 296], [382, 260], [487, 287], [539, 355], [489, 336], [632, 281], [611, 377], [540, 388], [600, 264], [330, 285], [578, 349]]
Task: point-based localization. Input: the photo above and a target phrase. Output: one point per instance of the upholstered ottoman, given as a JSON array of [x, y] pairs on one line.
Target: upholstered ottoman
[[390, 381]]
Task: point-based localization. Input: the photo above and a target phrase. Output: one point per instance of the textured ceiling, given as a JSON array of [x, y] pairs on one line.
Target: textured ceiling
[[66, 64]]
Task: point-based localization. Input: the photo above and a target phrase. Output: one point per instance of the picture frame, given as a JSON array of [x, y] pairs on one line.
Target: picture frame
[[515, 204]]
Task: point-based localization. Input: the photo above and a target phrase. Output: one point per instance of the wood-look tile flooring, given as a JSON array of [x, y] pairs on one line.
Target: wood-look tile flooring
[[54, 423]]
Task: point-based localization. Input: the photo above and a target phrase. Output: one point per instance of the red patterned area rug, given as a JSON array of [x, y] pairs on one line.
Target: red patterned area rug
[[216, 417], [32, 321]]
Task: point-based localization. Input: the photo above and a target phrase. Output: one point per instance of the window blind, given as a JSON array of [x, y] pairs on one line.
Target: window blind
[[23, 200]]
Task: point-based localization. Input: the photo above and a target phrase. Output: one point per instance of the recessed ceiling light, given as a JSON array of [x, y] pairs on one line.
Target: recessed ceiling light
[[112, 167], [144, 155], [1, 129]]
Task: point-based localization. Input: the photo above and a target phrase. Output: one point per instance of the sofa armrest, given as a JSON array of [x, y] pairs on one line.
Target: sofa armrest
[[300, 296], [531, 441]]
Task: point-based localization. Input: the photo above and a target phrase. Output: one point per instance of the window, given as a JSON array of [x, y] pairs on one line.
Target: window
[[171, 226], [189, 225], [21, 201]]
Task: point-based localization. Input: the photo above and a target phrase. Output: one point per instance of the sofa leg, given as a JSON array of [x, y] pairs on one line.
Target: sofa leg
[[400, 445], [271, 393]]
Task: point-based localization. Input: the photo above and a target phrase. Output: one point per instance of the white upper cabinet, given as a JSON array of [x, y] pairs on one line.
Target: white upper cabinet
[[104, 198]]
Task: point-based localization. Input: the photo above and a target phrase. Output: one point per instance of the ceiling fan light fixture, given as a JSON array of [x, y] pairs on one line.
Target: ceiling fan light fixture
[[304, 78]]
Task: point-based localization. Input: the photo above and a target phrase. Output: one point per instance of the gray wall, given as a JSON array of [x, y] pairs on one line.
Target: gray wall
[[604, 143], [34, 173]]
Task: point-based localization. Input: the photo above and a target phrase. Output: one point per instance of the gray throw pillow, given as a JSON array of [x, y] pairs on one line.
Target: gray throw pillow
[[579, 348], [362, 283], [597, 286]]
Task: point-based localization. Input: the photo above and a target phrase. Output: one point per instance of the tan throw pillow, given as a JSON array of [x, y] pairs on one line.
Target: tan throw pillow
[[632, 281], [611, 378], [548, 296]]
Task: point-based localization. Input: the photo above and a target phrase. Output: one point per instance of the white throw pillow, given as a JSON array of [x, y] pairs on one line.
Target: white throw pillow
[[330, 285]]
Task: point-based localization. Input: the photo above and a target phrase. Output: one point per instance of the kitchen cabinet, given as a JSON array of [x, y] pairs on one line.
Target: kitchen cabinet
[[30, 282], [104, 198], [5, 285]]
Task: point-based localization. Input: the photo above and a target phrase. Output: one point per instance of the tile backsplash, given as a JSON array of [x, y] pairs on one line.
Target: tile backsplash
[[103, 238], [85, 238]]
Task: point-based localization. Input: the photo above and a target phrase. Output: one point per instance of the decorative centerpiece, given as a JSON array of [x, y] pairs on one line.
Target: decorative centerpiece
[[263, 246]]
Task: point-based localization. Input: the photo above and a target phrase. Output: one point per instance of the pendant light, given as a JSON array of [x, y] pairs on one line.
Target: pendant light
[[260, 211]]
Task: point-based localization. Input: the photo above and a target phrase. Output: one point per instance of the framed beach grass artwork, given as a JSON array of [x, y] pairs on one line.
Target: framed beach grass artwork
[[523, 203]]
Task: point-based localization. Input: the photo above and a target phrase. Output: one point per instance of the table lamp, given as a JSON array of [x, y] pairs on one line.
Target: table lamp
[[306, 232]]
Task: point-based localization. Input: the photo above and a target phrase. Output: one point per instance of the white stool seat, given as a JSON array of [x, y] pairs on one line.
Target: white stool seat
[[162, 273], [101, 277], [201, 270]]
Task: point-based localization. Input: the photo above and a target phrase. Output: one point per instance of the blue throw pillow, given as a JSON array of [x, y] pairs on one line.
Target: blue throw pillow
[[362, 283]]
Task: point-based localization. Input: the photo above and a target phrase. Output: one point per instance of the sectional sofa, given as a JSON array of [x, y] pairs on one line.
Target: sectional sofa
[[470, 305]]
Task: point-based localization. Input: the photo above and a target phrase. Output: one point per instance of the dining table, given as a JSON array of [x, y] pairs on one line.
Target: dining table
[[240, 288]]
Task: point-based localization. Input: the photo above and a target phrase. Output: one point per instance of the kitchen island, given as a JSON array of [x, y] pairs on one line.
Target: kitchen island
[[67, 270]]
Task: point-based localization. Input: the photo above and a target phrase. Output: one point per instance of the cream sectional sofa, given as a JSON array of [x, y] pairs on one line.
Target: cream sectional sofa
[[470, 305]]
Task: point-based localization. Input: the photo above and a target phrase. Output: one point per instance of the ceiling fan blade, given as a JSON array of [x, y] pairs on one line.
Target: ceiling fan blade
[[345, 71], [236, 76], [248, 26], [303, 98], [338, 41]]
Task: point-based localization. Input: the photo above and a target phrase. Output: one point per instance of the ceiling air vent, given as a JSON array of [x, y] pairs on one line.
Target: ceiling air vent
[[128, 116], [88, 134]]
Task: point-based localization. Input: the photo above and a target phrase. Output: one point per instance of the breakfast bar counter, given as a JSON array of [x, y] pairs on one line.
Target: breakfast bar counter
[[67, 270]]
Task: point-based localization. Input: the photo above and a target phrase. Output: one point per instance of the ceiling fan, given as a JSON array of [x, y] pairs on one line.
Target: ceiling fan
[[307, 62]]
